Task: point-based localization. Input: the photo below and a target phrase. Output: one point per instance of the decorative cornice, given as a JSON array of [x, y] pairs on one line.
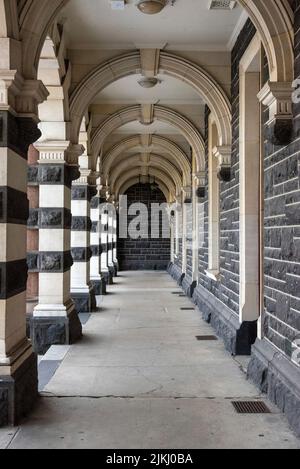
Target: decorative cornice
[[223, 154], [21, 96], [278, 98], [58, 152]]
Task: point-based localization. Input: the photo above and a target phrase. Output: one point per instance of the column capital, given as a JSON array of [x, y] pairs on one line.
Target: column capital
[[187, 194], [200, 181], [21, 96], [87, 177], [58, 152], [277, 96], [223, 154]]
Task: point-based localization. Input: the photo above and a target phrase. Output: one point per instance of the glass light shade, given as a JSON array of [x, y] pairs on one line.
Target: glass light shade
[[151, 7]]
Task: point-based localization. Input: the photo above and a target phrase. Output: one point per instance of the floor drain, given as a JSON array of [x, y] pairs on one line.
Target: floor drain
[[187, 309], [251, 407], [206, 337]]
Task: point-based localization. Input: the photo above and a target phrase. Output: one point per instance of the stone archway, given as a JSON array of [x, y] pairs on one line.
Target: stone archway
[[134, 113], [152, 141]]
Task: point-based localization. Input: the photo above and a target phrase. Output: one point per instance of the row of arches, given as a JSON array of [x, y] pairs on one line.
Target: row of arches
[[35, 68]]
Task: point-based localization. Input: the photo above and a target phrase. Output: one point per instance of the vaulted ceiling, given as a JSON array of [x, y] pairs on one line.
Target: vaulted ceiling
[[94, 33]]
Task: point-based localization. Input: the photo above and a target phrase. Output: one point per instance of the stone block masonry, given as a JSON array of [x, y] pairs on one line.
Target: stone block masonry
[[144, 254]]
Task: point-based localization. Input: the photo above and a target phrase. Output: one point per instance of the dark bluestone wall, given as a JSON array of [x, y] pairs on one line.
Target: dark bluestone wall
[[227, 289], [282, 230], [281, 218], [144, 254]]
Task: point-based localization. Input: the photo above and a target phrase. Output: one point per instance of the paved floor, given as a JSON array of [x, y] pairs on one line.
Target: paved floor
[[140, 379]]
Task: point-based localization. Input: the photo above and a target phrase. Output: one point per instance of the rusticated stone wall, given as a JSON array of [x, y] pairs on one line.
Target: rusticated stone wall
[[144, 254]]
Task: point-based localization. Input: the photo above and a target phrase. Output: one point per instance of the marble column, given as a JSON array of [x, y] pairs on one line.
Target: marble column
[[55, 319], [18, 129], [82, 290]]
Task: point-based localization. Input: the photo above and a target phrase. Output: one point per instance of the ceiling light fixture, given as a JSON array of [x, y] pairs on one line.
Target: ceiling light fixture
[[151, 7], [148, 82]]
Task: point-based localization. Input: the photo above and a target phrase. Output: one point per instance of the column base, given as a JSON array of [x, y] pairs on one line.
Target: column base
[[18, 392], [238, 338], [99, 286], [116, 268], [56, 330], [188, 286], [108, 276], [85, 302], [112, 271], [275, 375], [176, 273]]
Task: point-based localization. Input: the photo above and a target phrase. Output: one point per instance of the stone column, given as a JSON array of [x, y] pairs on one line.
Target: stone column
[[98, 278], [18, 124], [82, 291], [32, 230], [104, 226], [110, 240], [115, 245], [55, 319]]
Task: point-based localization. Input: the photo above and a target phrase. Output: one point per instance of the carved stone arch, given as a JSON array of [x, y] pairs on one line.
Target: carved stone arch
[[136, 180], [133, 113], [156, 142], [274, 22], [53, 72], [205, 85], [9, 25], [159, 176], [154, 161], [174, 66], [36, 18]]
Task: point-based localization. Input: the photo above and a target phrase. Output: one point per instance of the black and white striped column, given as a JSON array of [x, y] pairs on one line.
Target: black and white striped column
[[98, 278], [104, 235], [82, 289], [111, 238], [18, 364], [115, 244], [55, 319]]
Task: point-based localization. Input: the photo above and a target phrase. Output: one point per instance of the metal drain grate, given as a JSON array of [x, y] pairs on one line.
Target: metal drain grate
[[251, 407], [187, 309], [207, 338]]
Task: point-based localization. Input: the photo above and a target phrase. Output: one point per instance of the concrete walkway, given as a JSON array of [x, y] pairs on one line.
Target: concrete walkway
[[140, 379]]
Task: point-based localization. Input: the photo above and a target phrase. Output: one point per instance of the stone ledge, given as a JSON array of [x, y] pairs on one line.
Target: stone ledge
[[238, 338], [277, 377]]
